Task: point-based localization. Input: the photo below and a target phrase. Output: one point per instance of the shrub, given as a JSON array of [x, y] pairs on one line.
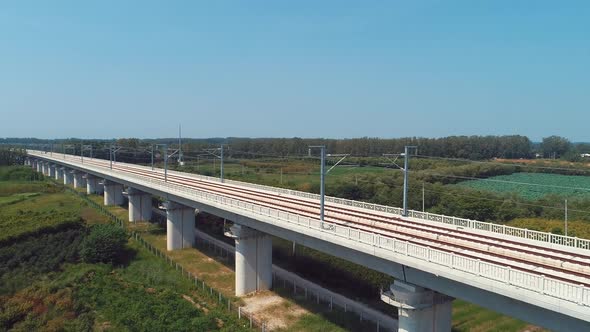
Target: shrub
[[103, 244]]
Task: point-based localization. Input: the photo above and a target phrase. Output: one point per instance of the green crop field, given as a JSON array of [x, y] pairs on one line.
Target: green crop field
[[537, 185]]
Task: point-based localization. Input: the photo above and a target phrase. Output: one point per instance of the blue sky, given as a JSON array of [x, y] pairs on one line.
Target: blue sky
[[294, 68]]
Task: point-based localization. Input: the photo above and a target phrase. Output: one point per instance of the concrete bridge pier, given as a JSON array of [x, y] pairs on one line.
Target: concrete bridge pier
[[180, 226], [419, 309], [58, 172], [39, 167], [52, 168], [113, 193], [91, 184], [68, 176], [78, 181], [253, 259], [44, 168], [140, 205]]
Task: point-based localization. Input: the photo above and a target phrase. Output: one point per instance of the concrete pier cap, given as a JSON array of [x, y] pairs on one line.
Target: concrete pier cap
[[253, 259], [180, 225], [419, 309], [140, 205]]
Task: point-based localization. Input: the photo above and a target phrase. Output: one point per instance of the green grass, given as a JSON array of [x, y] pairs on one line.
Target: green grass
[[18, 173], [8, 188], [542, 185], [34, 214], [470, 317], [144, 295], [7, 200], [150, 295]]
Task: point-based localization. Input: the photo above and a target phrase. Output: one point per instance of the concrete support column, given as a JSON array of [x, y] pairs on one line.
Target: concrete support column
[[58, 172], [39, 166], [68, 176], [419, 309], [44, 168], [140, 205], [180, 226], [253, 259], [91, 184], [78, 181], [113, 193], [52, 170]]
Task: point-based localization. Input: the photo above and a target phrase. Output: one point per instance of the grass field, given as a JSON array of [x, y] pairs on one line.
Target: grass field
[[540, 184], [44, 287], [295, 175], [468, 317], [28, 216], [8, 188]]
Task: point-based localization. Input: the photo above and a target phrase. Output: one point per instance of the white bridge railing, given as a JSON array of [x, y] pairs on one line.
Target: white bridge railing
[[566, 291]]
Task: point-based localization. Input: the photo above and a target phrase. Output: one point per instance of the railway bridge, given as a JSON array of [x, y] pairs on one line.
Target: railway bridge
[[538, 277]]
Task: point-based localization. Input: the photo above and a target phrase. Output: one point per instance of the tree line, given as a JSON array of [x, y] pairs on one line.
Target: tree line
[[465, 147]]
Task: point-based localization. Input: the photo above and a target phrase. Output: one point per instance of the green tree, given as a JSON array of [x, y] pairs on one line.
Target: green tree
[[555, 146], [103, 244]]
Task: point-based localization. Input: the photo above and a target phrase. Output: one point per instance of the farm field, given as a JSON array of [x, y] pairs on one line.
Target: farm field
[[540, 185]]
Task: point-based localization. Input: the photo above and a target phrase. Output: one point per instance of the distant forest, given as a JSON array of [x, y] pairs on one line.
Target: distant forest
[[467, 147]]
